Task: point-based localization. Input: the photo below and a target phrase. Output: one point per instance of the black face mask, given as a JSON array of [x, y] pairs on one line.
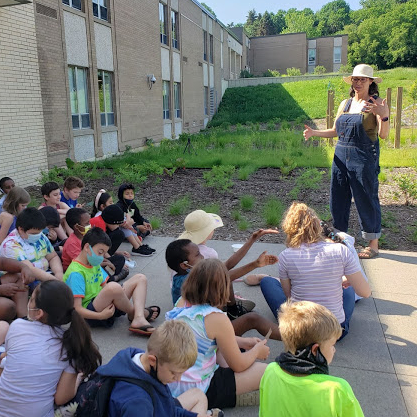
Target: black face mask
[[128, 202], [153, 372]]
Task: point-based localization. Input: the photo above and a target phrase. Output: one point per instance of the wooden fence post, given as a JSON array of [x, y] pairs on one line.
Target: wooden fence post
[[389, 98], [330, 112], [397, 140]]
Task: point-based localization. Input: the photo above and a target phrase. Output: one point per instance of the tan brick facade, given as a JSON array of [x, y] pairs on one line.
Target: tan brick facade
[[22, 135]]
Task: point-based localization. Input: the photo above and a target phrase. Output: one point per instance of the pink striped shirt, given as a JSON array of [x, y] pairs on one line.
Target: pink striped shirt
[[316, 272]]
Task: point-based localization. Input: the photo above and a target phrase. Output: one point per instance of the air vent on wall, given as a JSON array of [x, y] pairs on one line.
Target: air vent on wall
[[46, 11], [185, 59], [187, 124], [200, 64]]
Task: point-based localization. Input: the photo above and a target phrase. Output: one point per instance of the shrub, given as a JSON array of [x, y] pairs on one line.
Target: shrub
[[245, 172], [310, 179], [246, 202], [293, 72], [345, 68], [220, 177], [320, 69], [245, 74], [407, 183], [273, 211], [271, 73], [180, 206], [243, 224], [155, 223], [212, 208]]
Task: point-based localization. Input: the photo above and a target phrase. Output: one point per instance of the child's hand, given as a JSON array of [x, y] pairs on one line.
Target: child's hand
[[52, 235], [248, 343], [27, 274], [263, 350], [9, 290], [345, 283], [262, 232], [107, 312], [106, 262], [147, 226], [265, 259], [78, 205]]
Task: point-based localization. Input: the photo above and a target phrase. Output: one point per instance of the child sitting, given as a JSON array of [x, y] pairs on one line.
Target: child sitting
[[53, 221], [79, 221], [43, 358], [6, 184], [102, 200], [72, 190], [182, 254], [52, 197], [204, 293], [171, 350], [111, 220], [126, 195], [16, 201], [100, 302], [298, 382], [28, 244]]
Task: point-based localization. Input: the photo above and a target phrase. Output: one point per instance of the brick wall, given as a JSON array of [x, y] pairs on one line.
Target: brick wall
[[22, 134]]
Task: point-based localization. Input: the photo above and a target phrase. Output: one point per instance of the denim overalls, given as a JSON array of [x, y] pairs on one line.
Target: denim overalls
[[355, 172]]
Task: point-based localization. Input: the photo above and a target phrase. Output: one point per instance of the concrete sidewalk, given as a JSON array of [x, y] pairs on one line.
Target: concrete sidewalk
[[378, 357]]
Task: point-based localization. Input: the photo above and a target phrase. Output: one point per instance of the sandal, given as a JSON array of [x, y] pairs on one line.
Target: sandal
[[151, 311], [367, 253]]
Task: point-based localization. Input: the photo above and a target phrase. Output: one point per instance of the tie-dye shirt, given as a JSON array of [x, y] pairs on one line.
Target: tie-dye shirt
[[200, 374], [15, 247]]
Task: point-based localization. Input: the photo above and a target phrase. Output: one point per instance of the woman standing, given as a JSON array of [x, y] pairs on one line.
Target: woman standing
[[360, 120]]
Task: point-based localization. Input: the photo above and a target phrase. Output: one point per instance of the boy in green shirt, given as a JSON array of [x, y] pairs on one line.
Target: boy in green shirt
[[100, 302], [298, 383]]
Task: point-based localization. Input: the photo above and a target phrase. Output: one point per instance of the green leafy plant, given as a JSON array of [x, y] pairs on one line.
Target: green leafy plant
[[246, 202], [271, 73], [273, 211], [212, 208], [220, 177], [310, 179], [382, 177], [413, 236], [245, 74], [288, 165], [243, 224], [388, 219], [155, 223], [179, 206], [407, 183], [129, 173], [236, 216], [320, 69], [245, 172], [293, 72]]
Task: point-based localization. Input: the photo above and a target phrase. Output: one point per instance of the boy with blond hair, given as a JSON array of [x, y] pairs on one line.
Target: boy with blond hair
[[171, 350], [298, 382]]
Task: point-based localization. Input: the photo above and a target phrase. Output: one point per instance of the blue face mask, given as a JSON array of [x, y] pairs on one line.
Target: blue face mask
[[94, 259], [33, 239]]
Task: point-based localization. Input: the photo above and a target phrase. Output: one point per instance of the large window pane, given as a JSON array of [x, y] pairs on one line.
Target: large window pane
[[82, 90], [311, 57], [337, 54], [108, 92], [73, 90], [177, 100], [163, 23], [105, 92], [165, 99], [77, 80]]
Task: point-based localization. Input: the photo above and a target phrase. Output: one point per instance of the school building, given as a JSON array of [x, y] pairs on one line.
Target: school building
[[85, 79]]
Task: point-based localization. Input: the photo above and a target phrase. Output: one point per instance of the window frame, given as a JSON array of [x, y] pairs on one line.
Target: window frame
[[107, 114], [174, 30], [100, 9], [315, 56], [163, 27], [206, 98], [337, 61], [80, 117], [211, 49], [70, 3], [204, 45], [177, 100], [166, 100]]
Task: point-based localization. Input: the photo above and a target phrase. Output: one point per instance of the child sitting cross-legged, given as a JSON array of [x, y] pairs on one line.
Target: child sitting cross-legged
[[298, 382], [171, 350], [100, 302], [204, 293]]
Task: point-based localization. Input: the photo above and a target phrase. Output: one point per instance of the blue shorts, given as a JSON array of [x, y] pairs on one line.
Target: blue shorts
[[103, 323]]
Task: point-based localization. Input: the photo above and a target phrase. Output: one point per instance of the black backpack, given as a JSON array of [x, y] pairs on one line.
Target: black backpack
[[93, 394]]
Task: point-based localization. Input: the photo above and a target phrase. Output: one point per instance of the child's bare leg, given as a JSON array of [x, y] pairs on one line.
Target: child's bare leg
[[131, 239], [135, 288], [250, 379], [113, 293], [194, 400], [253, 320], [19, 299], [4, 327], [7, 309]]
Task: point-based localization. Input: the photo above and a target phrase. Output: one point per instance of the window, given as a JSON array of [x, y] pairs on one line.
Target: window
[[206, 95], [205, 45], [165, 99], [337, 54], [76, 4], [100, 9], [174, 29], [105, 94], [312, 56], [163, 23], [211, 49], [177, 100], [79, 97]]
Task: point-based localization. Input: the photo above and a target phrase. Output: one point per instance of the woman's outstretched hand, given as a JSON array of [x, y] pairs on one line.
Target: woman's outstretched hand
[[378, 109], [308, 132]]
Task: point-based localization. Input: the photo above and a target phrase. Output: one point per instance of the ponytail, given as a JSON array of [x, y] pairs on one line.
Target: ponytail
[[329, 233]]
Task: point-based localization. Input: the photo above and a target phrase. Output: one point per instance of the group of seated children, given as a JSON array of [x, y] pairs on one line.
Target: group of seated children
[[197, 362]]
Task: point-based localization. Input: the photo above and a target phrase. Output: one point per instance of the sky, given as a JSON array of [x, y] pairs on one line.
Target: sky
[[237, 10]]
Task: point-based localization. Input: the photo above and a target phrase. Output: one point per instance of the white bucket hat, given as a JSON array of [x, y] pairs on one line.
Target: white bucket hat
[[362, 70], [199, 224]]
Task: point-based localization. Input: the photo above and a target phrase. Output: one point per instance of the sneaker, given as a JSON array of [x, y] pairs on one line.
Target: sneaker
[[149, 248], [236, 310], [141, 251], [247, 399], [247, 304], [215, 412]]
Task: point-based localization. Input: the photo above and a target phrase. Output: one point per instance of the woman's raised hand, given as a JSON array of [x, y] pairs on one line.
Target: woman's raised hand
[[308, 132], [378, 109]]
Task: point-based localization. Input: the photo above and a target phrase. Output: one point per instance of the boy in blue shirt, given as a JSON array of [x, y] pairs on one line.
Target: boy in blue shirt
[[72, 190]]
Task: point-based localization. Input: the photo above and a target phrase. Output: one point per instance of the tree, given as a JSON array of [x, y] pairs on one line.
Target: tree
[[333, 17], [279, 21], [301, 21], [266, 25], [251, 17], [208, 8]]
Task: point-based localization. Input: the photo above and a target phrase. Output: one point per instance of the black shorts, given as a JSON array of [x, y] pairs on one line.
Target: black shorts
[[103, 323], [221, 392]]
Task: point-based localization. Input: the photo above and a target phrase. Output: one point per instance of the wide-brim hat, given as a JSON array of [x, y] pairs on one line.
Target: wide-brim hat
[[113, 215], [362, 70], [199, 224]]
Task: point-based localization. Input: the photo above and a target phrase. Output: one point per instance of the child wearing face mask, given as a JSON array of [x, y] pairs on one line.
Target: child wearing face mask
[[42, 359], [100, 301], [28, 244]]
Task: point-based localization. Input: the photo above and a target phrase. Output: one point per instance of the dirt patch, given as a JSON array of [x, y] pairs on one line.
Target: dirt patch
[[156, 195]]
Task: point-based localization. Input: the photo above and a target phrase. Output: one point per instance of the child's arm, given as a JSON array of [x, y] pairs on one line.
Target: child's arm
[[6, 220], [55, 264], [37, 273], [66, 388], [359, 284], [237, 256], [93, 315], [219, 327], [263, 260]]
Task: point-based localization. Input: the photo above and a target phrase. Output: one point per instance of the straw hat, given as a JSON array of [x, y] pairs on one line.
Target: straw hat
[[199, 224], [362, 70]]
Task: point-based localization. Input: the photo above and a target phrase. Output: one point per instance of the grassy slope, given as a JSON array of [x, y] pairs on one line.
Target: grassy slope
[[299, 100]]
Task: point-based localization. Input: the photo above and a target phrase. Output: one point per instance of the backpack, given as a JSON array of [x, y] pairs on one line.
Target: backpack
[[93, 394]]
